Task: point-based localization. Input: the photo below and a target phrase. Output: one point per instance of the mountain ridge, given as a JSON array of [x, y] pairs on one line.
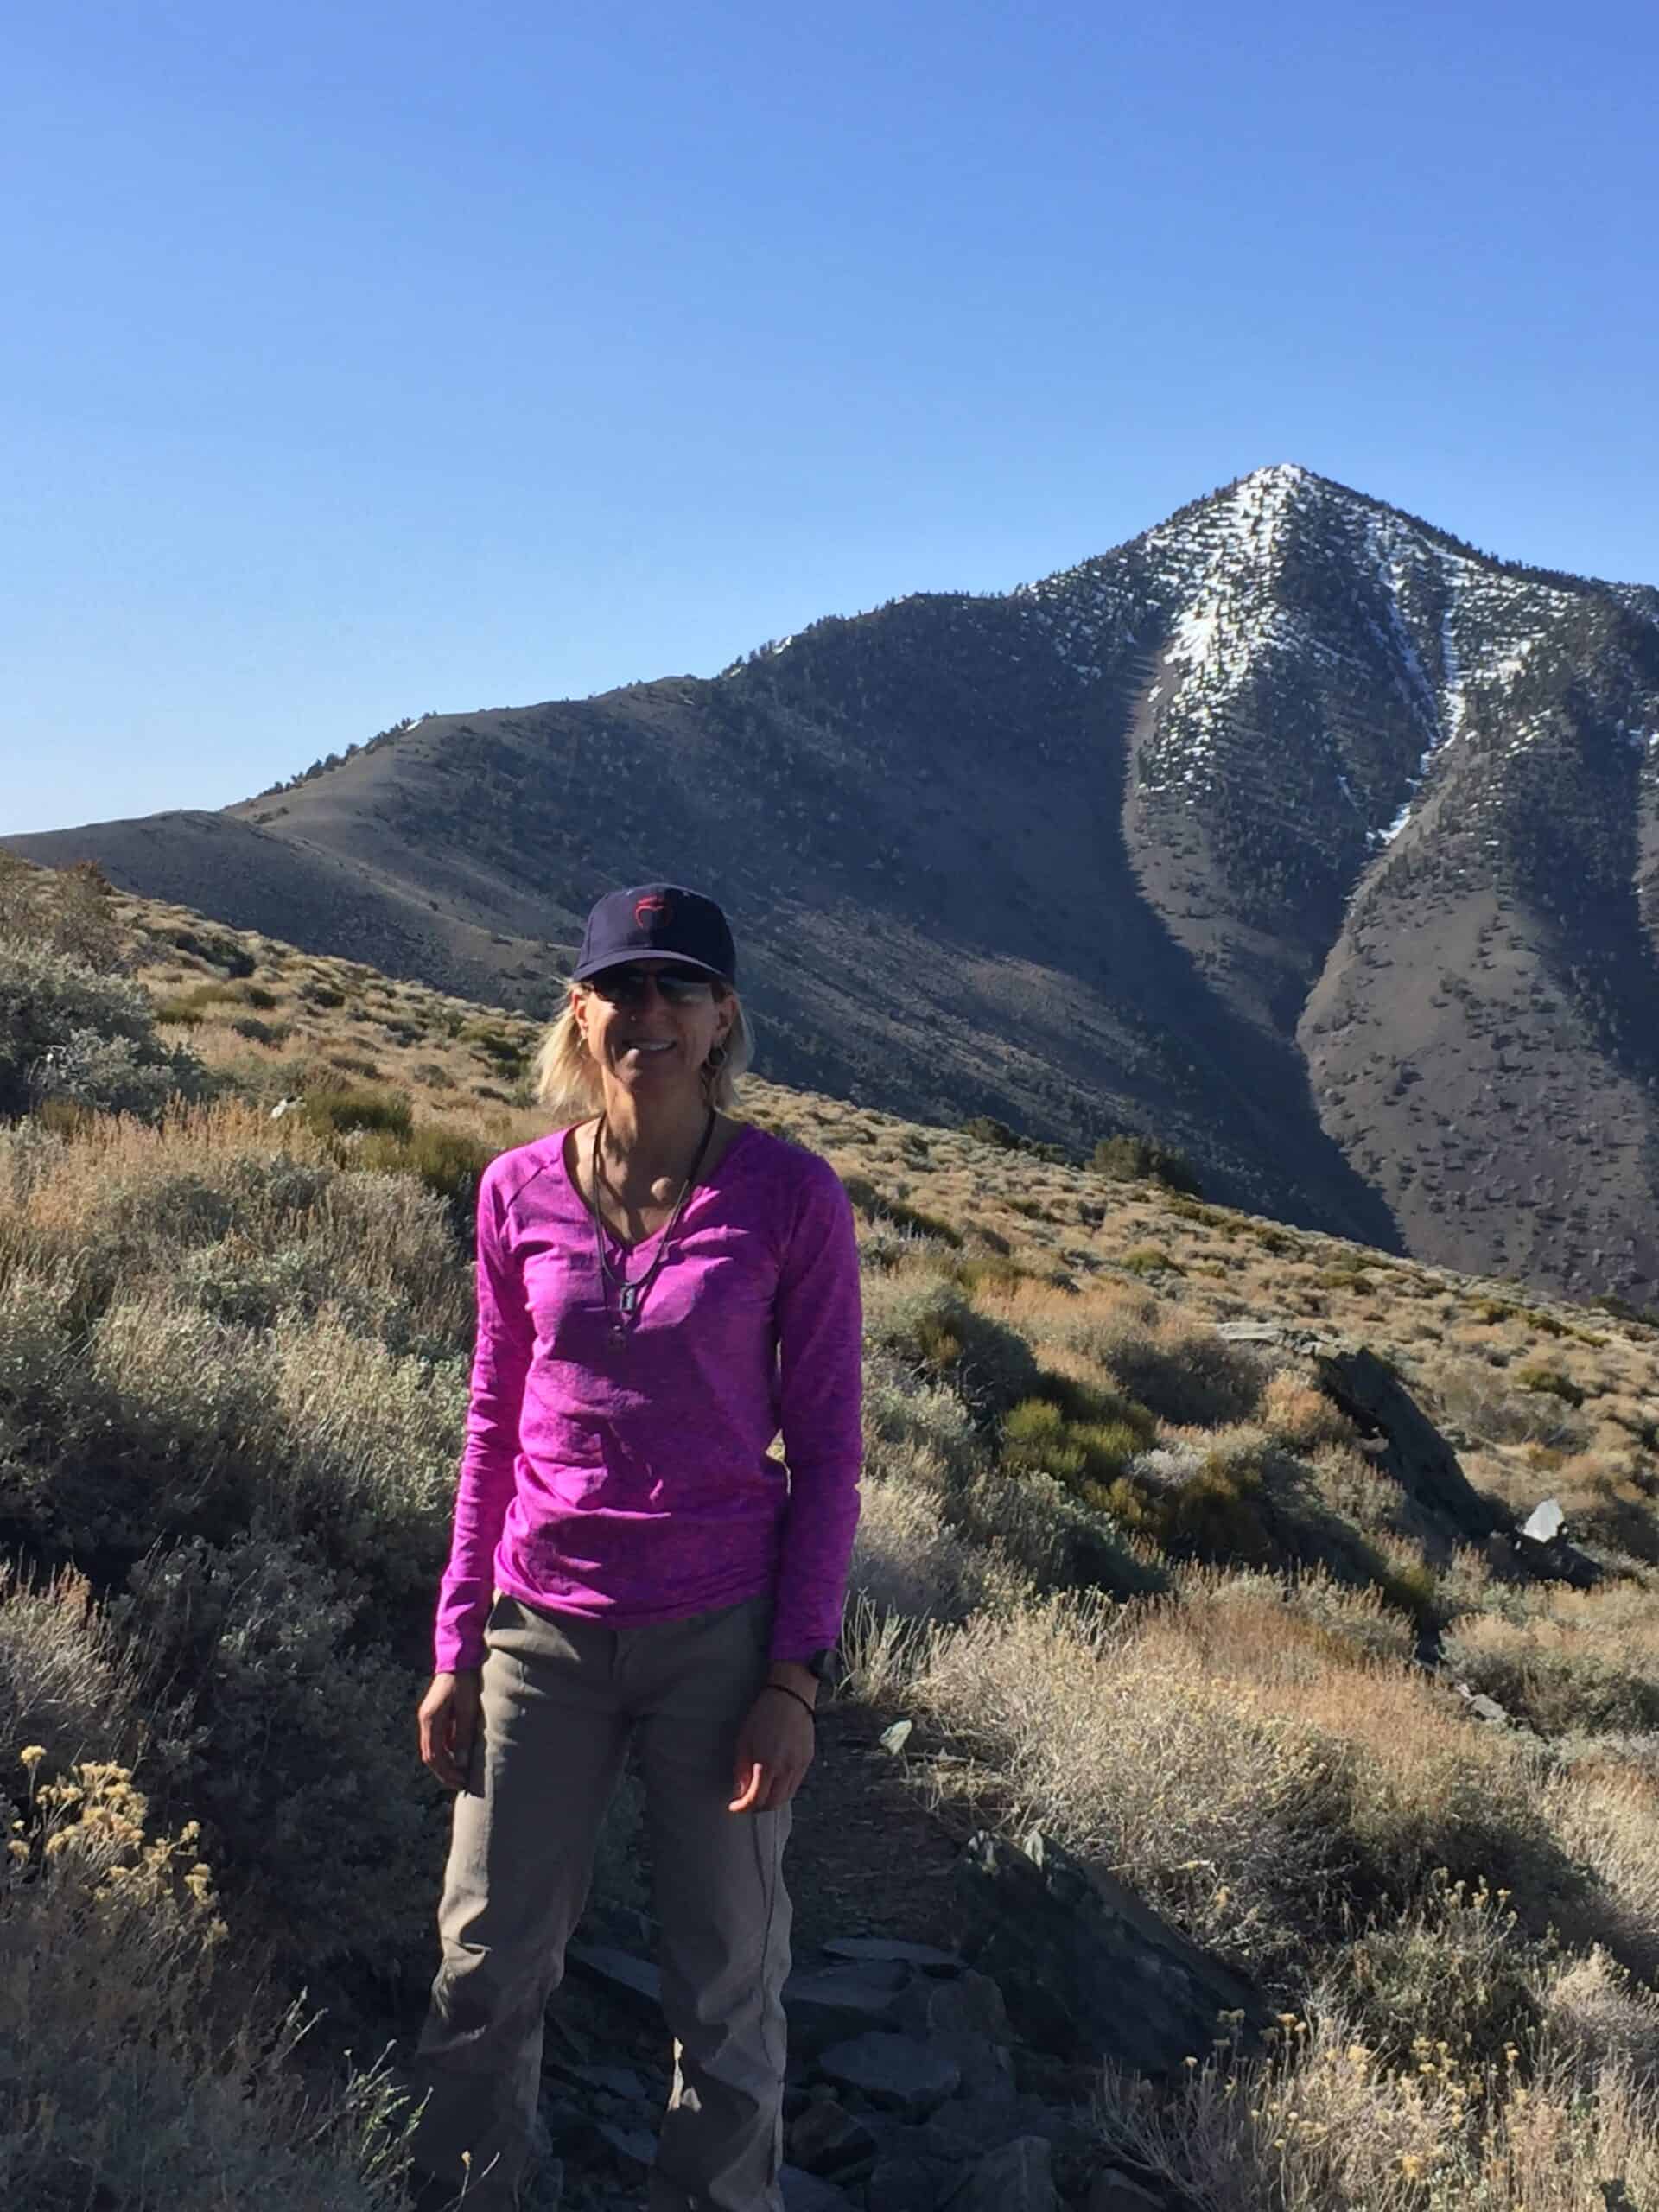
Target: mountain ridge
[[1292, 830]]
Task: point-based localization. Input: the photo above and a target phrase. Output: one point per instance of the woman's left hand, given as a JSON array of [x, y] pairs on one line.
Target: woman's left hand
[[774, 1750]]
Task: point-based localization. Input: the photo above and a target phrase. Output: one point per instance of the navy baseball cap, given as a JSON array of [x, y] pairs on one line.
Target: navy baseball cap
[[661, 921]]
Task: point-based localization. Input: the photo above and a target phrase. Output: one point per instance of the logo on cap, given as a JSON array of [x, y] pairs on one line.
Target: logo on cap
[[655, 904]]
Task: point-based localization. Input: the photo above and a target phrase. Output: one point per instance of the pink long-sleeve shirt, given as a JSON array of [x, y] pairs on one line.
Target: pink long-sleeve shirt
[[632, 1482]]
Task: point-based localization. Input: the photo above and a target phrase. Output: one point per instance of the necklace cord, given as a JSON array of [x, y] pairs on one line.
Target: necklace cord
[[631, 1294]]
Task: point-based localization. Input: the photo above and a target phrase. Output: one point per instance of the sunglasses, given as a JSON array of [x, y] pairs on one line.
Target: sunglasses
[[632, 986]]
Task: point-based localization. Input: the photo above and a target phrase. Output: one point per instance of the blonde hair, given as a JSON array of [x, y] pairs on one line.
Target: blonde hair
[[568, 1084]]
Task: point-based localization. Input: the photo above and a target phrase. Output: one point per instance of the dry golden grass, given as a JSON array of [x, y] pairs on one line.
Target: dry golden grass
[[63, 1679], [1258, 1751], [1320, 2126], [909, 1564], [125, 1200], [1299, 1416], [136, 2074], [1607, 1816], [1269, 1268], [1248, 1755], [1571, 1662]]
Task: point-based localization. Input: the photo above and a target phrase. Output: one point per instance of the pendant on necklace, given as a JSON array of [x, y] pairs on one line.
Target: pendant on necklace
[[629, 1298]]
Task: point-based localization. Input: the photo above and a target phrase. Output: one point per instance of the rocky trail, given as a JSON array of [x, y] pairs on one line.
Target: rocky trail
[[951, 2000]]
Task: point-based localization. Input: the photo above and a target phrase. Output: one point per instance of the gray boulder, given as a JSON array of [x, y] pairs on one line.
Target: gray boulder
[[804, 2192], [841, 2001], [971, 2004], [618, 2080], [985, 2069], [1113, 2191], [829, 2140], [895, 2072], [1398, 1435], [906, 2181], [632, 2147], [1088, 1972], [965, 2128], [1018, 2178], [862, 1949], [1545, 1523]]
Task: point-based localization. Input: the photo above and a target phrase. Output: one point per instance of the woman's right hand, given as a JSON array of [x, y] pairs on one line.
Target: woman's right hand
[[447, 1721]]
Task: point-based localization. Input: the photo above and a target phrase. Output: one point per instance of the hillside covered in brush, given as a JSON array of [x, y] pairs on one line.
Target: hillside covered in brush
[[1294, 831], [1191, 1540]]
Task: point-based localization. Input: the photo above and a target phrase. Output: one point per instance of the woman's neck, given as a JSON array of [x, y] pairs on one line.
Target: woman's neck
[[647, 1145]]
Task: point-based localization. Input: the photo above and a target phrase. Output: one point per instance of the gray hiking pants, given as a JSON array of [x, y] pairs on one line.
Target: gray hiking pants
[[561, 1698]]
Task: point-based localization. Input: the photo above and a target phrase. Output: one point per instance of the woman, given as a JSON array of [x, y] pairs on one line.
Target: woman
[[661, 1288]]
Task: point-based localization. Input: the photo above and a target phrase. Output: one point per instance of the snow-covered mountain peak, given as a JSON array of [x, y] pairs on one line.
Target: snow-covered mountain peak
[[1279, 476]]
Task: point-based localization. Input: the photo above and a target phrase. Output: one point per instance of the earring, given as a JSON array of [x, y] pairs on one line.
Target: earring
[[717, 1059]]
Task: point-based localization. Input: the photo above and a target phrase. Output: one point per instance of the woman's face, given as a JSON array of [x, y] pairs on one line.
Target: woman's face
[[643, 1041]]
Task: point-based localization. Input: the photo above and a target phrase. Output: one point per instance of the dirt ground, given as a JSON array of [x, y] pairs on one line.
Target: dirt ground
[[866, 1857]]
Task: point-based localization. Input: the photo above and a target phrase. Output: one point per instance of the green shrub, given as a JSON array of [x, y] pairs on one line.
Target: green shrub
[[1089, 1401], [1564, 1683], [1191, 1209], [194, 1003], [67, 1032], [1087, 1456], [341, 1112], [449, 1163], [1195, 1379], [980, 1270], [929, 1323], [291, 1745], [1413, 1590], [1212, 1510], [1150, 1259], [267, 1339], [247, 1288], [989, 1239], [160, 1424], [1550, 1383], [219, 951], [508, 1054], [920, 1438], [925, 1225], [914, 1429], [1058, 1540], [65, 1683], [64, 911], [877, 1206], [1131, 1157], [986, 1129], [1458, 1965], [138, 2072]]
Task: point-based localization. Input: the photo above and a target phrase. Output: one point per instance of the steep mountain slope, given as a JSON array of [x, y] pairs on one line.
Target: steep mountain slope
[[1294, 829]]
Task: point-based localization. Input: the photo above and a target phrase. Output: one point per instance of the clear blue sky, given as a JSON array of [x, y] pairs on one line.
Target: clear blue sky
[[360, 358]]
